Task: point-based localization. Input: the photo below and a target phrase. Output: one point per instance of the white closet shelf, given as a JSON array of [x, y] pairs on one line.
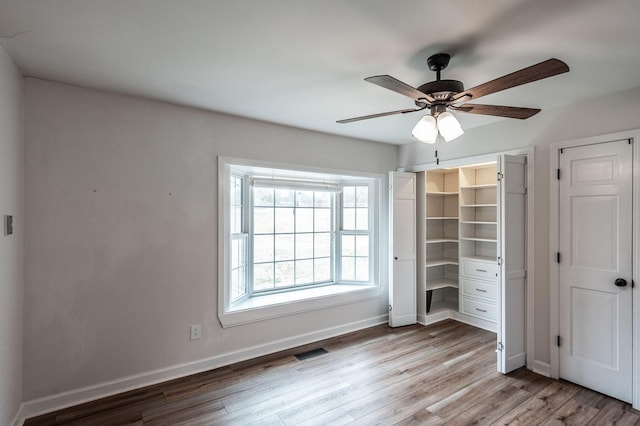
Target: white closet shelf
[[442, 240], [441, 193], [487, 240], [442, 217], [441, 261], [487, 185], [481, 258], [442, 283], [479, 222], [478, 205]]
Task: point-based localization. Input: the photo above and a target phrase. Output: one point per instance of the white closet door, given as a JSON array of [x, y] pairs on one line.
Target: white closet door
[[512, 218], [402, 271], [596, 267]]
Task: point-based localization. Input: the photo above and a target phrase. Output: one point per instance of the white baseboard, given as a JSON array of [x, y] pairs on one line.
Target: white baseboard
[[19, 418], [542, 368], [78, 396], [434, 318]]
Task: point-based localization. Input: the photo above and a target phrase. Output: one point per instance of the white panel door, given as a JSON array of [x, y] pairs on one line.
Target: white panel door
[[595, 253], [512, 191], [402, 280]]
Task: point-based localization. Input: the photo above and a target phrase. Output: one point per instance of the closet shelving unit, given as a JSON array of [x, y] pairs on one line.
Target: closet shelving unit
[[441, 239], [478, 241]]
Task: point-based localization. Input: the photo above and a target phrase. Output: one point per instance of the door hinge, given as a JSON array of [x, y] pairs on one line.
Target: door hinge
[[558, 174], [499, 261], [500, 347], [500, 176], [561, 150], [390, 308], [558, 257], [558, 340]]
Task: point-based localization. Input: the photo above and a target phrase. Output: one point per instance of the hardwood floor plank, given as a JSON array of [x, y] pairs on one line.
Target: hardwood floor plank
[[444, 373], [572, 413], [493, 407], [617, 413], [543, 404]]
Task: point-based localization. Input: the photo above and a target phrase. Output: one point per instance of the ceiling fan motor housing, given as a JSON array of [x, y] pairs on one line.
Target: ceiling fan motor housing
[[441, 90]]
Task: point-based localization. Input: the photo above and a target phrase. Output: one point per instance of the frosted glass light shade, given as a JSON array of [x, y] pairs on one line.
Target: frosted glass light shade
[[426, 130], [449, 126]]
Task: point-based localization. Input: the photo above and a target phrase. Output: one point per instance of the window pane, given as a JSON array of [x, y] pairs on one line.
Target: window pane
[[322, 221], [348, 269], [284, 247], [263, 220], [284, 274], [236, 220], [304, 271], [348, 245], [263, 197], [362, 219], [304, 246], [263, 276], [304, 198], [284, 220], [362, 246], [322, 199], [349, 196], [322, 270], [362, 269], [362, 196], [322, 244], [263, 248], [304, 220], [236, 257], [284, 198], [349, 218]]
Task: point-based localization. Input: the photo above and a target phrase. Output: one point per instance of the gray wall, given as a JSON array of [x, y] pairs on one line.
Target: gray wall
[[11, 246], [121, 244], [608, 114]]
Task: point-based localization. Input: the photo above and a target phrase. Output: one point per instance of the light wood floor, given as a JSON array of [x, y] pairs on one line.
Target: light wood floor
[[440, 374]]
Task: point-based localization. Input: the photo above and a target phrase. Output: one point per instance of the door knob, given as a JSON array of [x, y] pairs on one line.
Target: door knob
[[620, 282]]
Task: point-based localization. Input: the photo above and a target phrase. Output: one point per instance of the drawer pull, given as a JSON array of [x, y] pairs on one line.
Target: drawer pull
[[481, 310], [481, 270], [481, 290]]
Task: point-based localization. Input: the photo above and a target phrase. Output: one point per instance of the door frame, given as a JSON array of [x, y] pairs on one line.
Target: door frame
[[554, 246], [531, 202]]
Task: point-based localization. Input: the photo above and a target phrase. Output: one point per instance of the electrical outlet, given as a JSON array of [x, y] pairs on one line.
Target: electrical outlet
[[196, 331]]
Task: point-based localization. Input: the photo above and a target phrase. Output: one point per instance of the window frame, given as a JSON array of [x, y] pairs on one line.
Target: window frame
[[255, 307]]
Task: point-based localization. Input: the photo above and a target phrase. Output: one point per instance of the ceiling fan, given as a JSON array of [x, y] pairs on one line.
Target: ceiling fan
[[439, 95]]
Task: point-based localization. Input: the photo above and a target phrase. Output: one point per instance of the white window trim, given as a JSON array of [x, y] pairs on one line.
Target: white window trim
[[303, 300]]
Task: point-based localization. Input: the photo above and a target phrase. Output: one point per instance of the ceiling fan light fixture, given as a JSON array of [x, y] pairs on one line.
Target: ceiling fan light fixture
[[426, 131], [449, 126]]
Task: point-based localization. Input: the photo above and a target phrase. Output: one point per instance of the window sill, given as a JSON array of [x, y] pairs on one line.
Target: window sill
[[283, 304]]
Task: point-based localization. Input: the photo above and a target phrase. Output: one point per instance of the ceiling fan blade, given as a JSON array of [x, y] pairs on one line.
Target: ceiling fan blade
[[498, 110], [398, 86], [382, 114], [545, 69]]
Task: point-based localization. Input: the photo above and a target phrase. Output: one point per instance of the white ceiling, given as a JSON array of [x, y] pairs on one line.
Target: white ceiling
[[301, 63]]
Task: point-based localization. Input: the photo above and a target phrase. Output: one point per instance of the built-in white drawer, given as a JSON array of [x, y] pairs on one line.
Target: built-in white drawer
[[486, 270], [484, 289], [477, 308]]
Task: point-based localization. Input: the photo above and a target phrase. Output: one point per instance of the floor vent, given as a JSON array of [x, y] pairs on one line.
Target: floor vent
[[311, 353]]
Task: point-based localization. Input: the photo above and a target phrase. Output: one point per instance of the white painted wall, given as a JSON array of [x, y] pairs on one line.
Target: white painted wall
[[121, 244], [11, 246], [599, 116]]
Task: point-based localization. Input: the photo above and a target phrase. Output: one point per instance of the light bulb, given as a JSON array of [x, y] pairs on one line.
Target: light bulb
[[426, 130]]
